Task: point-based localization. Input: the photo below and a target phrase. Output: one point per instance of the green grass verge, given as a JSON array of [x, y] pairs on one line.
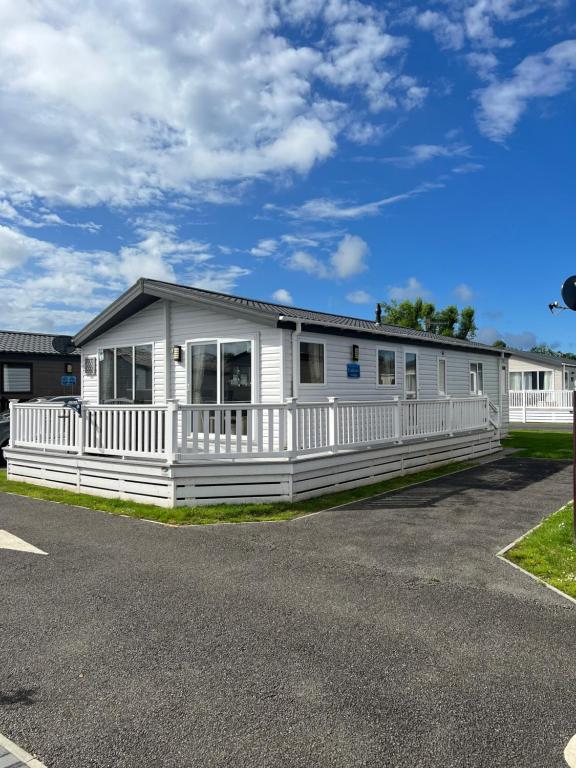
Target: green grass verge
[[540, 445], [222, 513], [549, 552]]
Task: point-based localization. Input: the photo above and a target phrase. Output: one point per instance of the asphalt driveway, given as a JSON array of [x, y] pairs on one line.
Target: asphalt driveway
[[385, 633]]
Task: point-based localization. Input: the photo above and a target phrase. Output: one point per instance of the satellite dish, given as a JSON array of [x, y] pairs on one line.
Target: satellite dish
[[569, 292], [63, 345]]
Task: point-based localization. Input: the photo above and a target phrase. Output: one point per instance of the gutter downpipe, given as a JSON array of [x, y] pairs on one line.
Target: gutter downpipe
[[295, 368]]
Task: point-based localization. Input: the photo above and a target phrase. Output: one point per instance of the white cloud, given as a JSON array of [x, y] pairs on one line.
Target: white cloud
[[301, 261], [282, 296], [483, 64], [265, 248], [412, 290], [350, 257], [54, 287], [183, 96], [463, 292], [448, 34], [359, 297], [547, 74], [422, 153], [325, 208]]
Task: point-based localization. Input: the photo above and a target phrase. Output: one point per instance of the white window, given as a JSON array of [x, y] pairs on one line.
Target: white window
[[441, 376], [17, 378], [476, 379], [311, 363], [220, 372], [386, 367], [125, 374], [516, 381], [410, 375]]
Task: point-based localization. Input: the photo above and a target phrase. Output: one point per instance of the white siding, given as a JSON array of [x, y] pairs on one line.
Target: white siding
[[187, 323], [145, 327], [338, 352]]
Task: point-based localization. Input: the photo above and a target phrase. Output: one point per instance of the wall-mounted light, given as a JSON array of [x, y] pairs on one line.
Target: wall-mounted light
[[68, 368], [355, 352], [177, 354]]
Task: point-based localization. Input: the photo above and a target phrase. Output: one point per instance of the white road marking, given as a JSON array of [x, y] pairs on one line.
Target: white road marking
[[570, 752], [9, 541]]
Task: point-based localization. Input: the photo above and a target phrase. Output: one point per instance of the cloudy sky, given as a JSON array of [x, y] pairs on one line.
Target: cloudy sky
[[326, 153]]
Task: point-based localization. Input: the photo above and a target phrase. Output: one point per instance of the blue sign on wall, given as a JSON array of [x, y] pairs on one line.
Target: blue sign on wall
[[68, 381], [353, 370]]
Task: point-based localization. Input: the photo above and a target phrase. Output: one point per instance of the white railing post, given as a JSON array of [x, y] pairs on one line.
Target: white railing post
[[450, 417], [14, 424], [291, 424], [524, 406], [80, 438], [333, 438], [398, 420], [171, 440]]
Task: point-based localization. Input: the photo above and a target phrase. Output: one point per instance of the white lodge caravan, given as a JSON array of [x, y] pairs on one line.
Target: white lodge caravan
[[195, 397]]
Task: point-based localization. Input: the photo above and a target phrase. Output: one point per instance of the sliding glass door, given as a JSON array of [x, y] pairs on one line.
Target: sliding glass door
[[220, 372]]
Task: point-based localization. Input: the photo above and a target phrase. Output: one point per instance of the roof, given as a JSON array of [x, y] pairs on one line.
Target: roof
[[145, 291], [24, 343], [537, 357]]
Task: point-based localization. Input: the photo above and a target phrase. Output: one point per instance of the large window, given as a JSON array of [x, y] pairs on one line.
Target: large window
[[410, 375], [125, 374], [220, 372], [386, 367], [17, 378], [476, 379], [311, 363], [531, 380]]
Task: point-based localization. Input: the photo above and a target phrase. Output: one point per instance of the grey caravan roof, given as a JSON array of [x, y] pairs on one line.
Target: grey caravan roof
[[24, 343], [145, 292]]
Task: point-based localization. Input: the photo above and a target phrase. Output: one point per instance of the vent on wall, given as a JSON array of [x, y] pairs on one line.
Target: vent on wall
[[90, 366]]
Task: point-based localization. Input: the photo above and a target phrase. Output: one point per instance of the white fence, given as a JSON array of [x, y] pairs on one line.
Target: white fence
[[176, 432], [551, 405]]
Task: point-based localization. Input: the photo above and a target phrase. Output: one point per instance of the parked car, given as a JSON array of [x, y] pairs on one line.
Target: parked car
[[5, 417]]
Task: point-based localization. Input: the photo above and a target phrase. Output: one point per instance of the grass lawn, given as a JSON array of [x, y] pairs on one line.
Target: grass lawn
[[549, 552], [540, 445], [222, 513]]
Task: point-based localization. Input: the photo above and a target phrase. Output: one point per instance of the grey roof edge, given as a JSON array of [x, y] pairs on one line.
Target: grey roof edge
[[32, 344], [540, 357], [259, 310]]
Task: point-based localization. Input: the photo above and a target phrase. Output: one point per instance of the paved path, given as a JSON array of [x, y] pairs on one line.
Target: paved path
[[385, 634]]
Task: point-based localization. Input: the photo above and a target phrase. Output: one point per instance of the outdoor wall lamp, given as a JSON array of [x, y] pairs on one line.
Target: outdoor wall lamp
[[177, 354]]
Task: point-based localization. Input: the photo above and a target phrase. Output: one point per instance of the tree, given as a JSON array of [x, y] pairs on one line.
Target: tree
[[423, 316], [500, 344]]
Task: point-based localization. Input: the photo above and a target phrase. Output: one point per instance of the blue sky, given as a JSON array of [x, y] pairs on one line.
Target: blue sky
[[326, 153]]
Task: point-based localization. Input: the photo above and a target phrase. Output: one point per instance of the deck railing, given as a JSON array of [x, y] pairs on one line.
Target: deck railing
[[176, 432], [540, 398]]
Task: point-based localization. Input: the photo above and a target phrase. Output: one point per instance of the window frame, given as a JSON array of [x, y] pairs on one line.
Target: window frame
[[409, 351], [254, 354], [324, 381], [444, 392], [478, 393], [395, 353], [15, 364], [115, 347]]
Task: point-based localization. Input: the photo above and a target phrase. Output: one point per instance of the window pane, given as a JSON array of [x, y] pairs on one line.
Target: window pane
[[516, 381], [311, 363], [386, 367], [17, 378], [203, 373], [411, 377], [236, 372], [124, 370], [480, 378], [106, 371], [143, 373], [442, 377]]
